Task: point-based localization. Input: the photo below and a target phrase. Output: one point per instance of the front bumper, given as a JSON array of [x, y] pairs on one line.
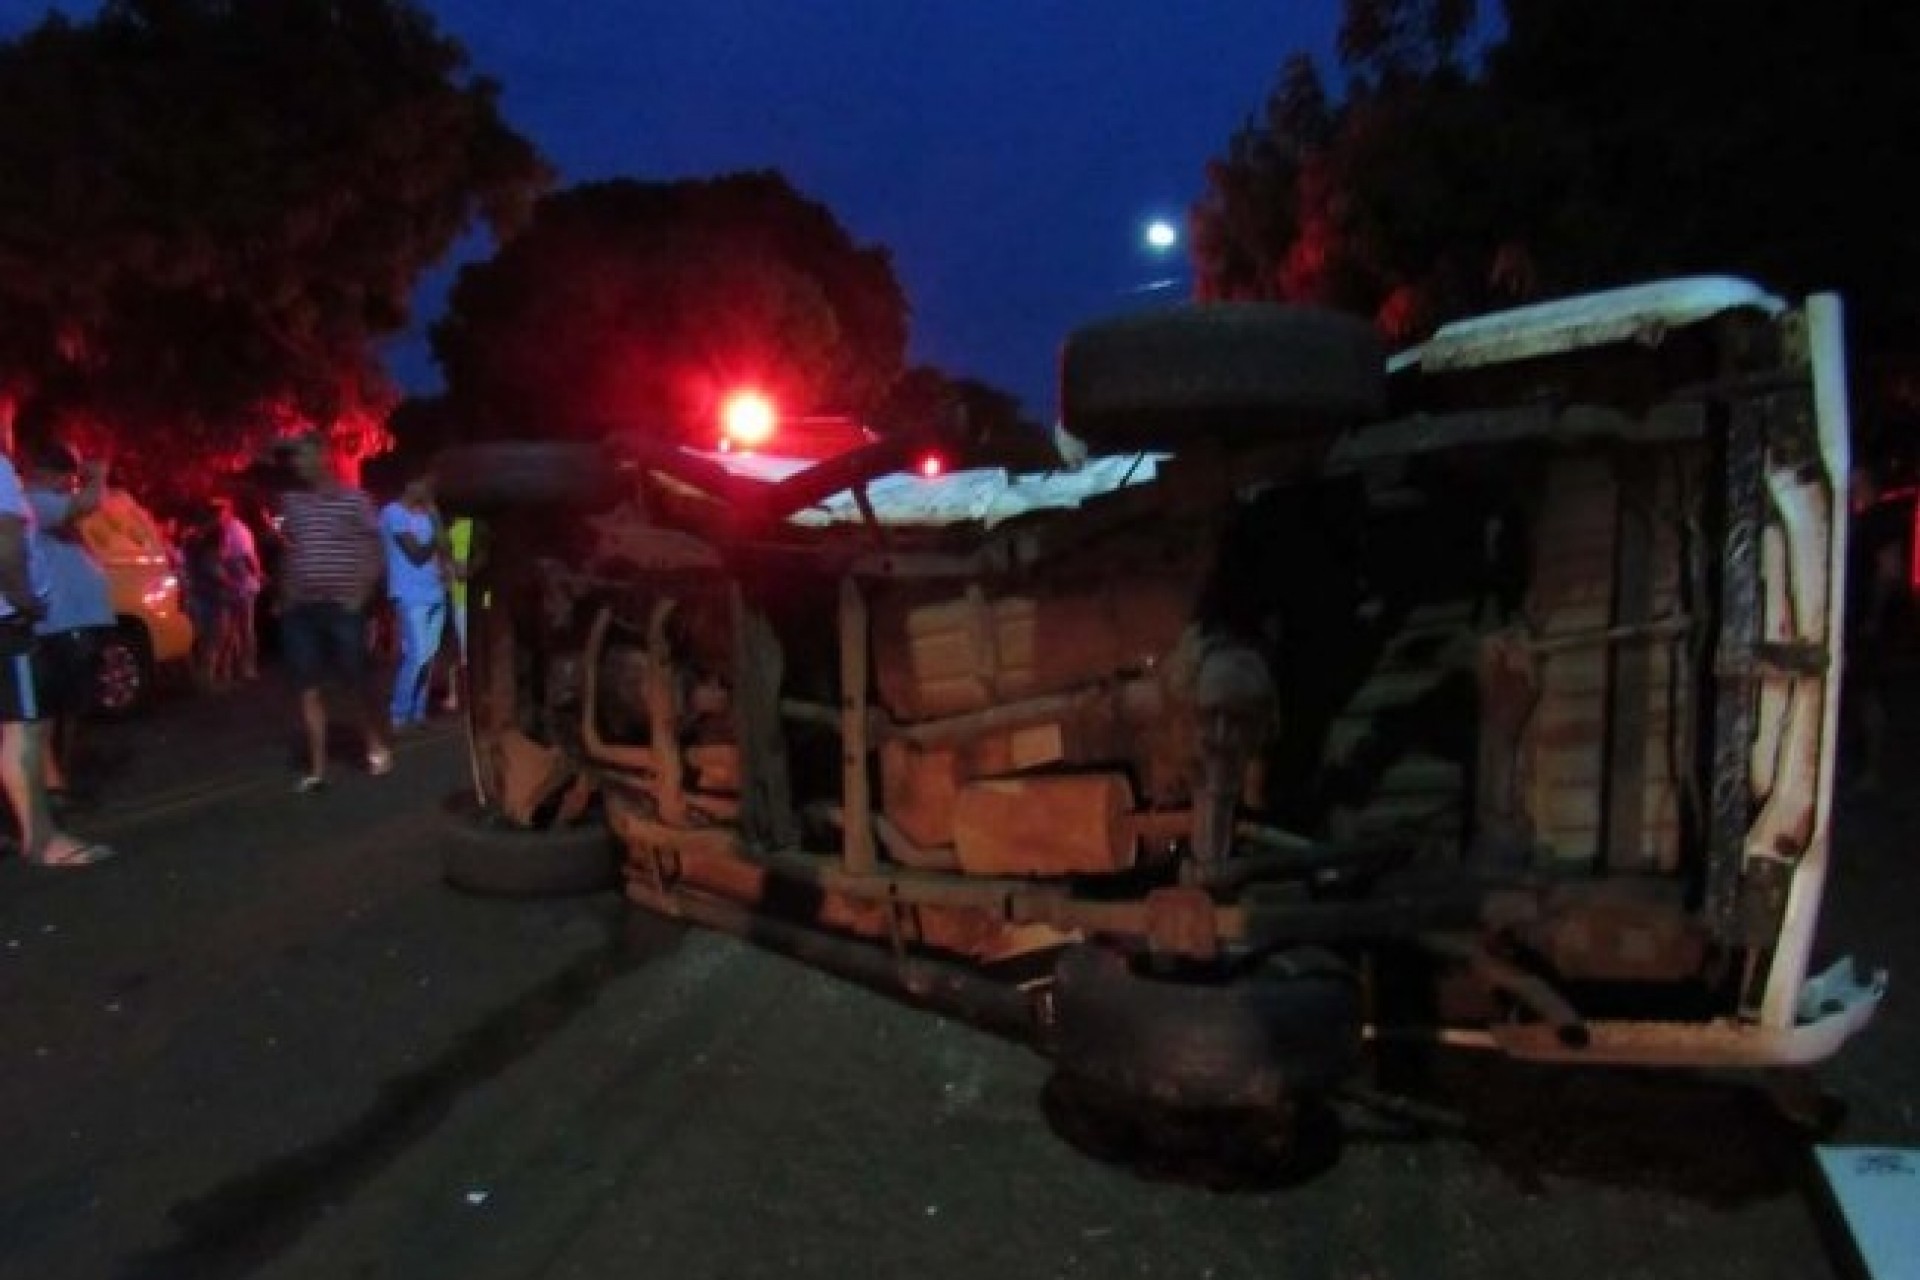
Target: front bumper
[[1832, 1007]]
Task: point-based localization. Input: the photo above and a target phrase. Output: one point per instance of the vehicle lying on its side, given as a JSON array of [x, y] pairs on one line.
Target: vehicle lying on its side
[[1489, 692]]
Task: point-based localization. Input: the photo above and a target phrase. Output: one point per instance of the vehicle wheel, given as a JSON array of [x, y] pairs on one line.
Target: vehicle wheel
[[487, 855], [494, 476], [1225, 1150], [1287, 1028], [123, 672], [1234, 372]]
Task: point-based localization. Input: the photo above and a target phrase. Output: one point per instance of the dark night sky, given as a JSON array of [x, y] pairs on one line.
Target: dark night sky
[[1009, 152]]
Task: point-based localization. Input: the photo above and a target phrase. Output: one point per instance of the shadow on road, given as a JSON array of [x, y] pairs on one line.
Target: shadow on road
[[1226, 1151], [1717, 1143], [237, 1226], [1711, 1140]]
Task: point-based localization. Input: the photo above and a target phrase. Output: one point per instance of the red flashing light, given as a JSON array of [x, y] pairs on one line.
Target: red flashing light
[[932, 466], [747, 420]]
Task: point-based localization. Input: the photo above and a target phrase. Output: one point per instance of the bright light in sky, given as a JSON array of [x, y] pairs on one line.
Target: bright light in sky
[[1161, 235]]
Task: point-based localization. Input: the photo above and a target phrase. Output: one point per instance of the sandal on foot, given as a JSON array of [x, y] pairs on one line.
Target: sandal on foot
[[74, 853], [310, 784]]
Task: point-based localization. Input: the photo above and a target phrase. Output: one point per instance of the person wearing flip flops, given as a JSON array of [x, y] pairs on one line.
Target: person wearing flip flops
[[63, 490], [23, 715], [331, 569]]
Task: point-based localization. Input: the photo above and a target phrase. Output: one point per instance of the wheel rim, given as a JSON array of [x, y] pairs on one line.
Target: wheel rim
[[117, 685]]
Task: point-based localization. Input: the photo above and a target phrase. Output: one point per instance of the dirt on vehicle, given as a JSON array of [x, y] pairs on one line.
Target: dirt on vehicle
[[1484, 694]]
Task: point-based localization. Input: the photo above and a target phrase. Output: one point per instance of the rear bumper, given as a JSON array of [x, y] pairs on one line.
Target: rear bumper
[[170, 634]]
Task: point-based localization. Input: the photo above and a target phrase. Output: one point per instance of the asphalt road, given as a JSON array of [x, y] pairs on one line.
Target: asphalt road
[[267, 1041]]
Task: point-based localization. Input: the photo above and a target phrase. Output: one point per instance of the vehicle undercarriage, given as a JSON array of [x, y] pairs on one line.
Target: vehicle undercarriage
[[1492, 701]]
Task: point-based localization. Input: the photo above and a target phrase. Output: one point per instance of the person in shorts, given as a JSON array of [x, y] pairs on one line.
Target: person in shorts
[[23, 717], [64, 491], [330, 571]]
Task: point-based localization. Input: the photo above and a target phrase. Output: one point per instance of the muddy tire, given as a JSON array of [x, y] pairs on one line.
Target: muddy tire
[[1227, 1150], [1288, 1028], [486, 855], [502, 475], [1236, 373]]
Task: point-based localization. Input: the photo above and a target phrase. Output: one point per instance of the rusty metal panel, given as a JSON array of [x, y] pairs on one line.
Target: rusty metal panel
[[1735, 700]]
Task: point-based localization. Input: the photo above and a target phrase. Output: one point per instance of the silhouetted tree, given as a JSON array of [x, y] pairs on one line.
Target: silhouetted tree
[[1599, 144], [639, 305], [1727, 136], [978, 424], [212, 210]]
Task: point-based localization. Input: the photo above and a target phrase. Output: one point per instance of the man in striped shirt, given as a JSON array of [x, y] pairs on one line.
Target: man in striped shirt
[[329, 574]]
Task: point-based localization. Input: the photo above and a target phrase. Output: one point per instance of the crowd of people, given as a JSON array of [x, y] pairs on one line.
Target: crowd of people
[[339, 564]]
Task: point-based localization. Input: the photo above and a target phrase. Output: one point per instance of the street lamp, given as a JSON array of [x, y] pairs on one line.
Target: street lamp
[[1161, 235]]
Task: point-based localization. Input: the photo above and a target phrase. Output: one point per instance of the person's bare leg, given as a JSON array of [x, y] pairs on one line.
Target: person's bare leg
[[313, 715], [55, 752], [20, 765], [379, 729]]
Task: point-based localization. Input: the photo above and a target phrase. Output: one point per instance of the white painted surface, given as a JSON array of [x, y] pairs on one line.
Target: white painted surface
[[1878, 1189]]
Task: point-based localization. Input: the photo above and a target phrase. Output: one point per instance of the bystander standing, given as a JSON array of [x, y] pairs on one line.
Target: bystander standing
[[63, 492], [241, 581], [416, 547], [23, 601], [459, 569], [330, 571], [204, 590]]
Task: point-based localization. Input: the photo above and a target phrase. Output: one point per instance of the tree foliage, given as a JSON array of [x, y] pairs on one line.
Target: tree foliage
[[213, 210], [1596, 144], [639, 305], [979, 425]]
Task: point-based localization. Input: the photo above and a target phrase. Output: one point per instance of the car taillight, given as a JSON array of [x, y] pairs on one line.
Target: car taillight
[[163, 594]]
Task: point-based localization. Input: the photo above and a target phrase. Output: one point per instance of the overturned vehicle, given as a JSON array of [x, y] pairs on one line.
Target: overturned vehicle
[[1487, 693]]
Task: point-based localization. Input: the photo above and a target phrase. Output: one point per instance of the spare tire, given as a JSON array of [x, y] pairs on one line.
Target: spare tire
[[500, 475], [1241, 372], [1290, 1026], [486, 855]]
